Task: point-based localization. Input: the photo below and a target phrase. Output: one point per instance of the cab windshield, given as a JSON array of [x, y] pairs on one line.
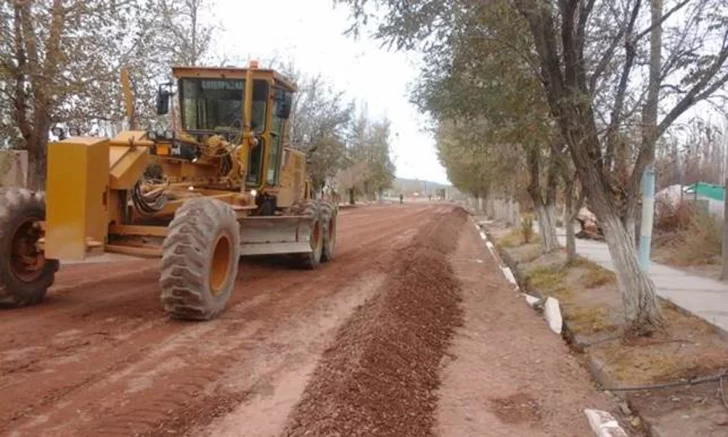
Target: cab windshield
[[217, 104]]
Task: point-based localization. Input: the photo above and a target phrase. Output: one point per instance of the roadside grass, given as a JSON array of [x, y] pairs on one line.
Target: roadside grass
[[688, 348], [531, 253], [589, 320], [549, 280], [686, 236], [593, 314], [595, 275], [515, 238]]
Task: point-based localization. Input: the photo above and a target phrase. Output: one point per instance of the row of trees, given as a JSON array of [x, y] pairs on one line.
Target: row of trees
[[694, 152], [349, 152], [60, 62], [577, 93]]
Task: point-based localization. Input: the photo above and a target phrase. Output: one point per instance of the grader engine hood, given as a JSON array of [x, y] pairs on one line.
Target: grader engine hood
[[81, 171]]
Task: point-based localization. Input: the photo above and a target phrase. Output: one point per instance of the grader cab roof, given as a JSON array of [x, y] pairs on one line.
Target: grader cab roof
[[232, 73]]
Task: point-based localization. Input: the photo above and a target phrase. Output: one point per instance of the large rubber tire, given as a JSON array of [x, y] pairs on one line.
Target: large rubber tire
[[310, 208], [329, 220], [200, 259], [20, 209]]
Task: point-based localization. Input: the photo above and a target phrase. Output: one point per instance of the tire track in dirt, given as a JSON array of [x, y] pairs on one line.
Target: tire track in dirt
[[171, 366]]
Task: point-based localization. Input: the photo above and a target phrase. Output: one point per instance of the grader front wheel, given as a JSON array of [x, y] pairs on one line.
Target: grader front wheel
[[312, 210], [200, 260], [25, 273]]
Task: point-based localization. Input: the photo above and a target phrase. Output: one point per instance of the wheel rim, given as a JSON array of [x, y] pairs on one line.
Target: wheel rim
[[26, 261], [220, 265]]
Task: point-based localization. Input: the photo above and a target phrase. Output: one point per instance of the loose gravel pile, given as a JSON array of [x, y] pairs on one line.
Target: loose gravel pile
[[380, 375]]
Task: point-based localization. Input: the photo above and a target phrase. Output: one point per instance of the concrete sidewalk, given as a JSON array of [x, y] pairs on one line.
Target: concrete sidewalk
[[706, 298]]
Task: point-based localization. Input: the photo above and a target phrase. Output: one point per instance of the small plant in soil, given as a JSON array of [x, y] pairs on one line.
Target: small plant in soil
[[527, 229]]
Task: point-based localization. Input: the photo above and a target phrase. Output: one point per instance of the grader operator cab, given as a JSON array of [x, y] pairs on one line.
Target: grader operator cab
[[219, 186]]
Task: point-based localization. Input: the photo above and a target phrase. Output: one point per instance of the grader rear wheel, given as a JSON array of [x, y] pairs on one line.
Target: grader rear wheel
[[310, 208], [200, 260], [329, 220], [25, 273]]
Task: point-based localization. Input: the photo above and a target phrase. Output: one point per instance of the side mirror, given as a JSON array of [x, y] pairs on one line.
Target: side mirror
[[285, 104], [163, 100], [59, 132]]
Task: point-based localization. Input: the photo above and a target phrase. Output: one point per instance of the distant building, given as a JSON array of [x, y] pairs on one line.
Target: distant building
[[709, 196]]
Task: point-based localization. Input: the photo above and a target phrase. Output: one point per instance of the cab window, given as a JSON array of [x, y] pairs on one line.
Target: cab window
[[276, 146], [217, 104]]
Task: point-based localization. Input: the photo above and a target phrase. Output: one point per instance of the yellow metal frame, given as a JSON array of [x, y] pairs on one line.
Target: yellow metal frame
[[91, 179]]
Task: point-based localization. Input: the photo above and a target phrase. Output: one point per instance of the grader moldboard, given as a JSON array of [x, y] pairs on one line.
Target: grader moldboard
[[219, 186]]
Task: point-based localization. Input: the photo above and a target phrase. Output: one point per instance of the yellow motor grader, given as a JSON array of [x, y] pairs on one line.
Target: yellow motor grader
[[221, 184]]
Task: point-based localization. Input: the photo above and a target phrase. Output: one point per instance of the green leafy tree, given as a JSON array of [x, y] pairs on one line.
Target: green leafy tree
[[321, 116], [60, 62], [369, 143], [478, 80], [591, 58]]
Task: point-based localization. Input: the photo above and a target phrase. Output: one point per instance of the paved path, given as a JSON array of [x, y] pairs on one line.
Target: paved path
[[704, 297]]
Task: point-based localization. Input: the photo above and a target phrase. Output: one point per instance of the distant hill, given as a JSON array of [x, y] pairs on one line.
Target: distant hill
[[419, 188], [411, 186]]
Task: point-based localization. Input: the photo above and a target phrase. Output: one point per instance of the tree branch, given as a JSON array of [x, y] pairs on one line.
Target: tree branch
[[699, 91], [604, 61], [665, 16], [20, 114], [616, 115]]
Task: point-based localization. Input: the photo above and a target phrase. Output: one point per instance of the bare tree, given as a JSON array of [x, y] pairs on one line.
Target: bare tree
[[319, 125], [591, 57], [350, 178], [188, 35]]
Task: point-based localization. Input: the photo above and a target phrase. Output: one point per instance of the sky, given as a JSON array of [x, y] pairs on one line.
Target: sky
[[311, 34]]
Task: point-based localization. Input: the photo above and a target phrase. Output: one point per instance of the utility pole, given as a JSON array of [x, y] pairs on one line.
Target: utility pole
[[648, 209], [724, 270], [649, 132]]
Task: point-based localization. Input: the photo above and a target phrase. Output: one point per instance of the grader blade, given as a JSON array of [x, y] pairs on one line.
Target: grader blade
[[275, 235]]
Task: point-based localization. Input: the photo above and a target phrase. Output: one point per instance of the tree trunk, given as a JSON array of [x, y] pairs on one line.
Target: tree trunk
[[36, 146], [547, 227], [565, 82], [490, 207], [545, 210], [351, 196], [510, 213], [638, 291], [569, 221], [630, 222], [642, 311], [570, 240]]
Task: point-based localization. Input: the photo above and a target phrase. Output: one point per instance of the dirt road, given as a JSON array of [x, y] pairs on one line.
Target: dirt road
[[365, 345]]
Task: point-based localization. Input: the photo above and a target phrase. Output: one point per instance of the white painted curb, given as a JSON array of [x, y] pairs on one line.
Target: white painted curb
[[604, 424], [491, 248], [509, 275], [532, 300], [553, 314]]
